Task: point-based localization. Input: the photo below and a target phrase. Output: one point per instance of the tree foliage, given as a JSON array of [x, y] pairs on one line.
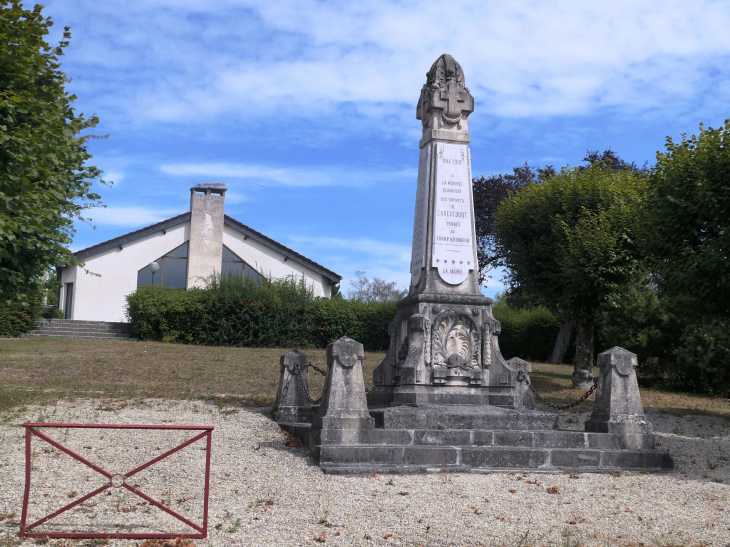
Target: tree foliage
[[572, 239], [488, 194], [490, 191], [571, 242], [44, 180], [366, 290], [688, 221]]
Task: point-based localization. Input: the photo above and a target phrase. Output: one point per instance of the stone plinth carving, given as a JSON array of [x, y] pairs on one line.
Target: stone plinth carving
[[443, 341], [617, 408]]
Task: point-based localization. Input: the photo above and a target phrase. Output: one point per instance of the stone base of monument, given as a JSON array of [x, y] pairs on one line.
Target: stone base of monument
[[446, 395], [348, 438]]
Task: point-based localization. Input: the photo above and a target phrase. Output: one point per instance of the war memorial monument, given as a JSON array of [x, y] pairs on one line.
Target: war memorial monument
[[444, 398]]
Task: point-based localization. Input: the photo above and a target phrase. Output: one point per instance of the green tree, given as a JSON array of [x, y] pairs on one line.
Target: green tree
[[366, 290], [570, 242], [688, 222], [44, 181]]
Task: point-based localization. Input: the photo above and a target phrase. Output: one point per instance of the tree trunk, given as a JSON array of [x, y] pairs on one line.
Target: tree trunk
[[583, 372], [562, 342]]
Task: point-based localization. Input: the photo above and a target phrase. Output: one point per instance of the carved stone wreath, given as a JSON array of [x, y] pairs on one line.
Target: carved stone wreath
[[455, 341]]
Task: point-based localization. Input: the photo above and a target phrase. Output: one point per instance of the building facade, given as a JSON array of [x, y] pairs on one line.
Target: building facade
[[179, 253]]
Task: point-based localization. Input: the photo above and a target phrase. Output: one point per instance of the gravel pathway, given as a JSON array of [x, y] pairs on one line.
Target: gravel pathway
[[264, 492]]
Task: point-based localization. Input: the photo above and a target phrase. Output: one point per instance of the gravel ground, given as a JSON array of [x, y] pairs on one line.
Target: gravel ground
[[264, 492]]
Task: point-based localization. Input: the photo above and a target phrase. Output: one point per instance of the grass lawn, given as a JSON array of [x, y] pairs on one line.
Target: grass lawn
[[40, 370]]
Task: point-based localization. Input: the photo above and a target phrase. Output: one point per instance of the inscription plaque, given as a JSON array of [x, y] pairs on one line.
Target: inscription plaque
[[453, 248], [420, 219]]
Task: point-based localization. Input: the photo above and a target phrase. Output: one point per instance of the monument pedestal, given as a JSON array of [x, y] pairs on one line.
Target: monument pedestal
[[444, 349]]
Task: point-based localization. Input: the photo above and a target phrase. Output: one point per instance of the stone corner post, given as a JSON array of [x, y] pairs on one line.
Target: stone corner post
[[343, 412], [617, 408], [523, 395], [292, 405]]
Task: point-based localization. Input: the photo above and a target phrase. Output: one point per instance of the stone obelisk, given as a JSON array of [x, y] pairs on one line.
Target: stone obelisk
[[443, 341]]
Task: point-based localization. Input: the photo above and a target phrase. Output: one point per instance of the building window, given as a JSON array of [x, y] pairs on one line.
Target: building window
[[233, 265], [173, 270]]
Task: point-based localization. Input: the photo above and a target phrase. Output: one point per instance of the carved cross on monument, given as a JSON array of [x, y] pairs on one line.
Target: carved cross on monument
[[453, 95]]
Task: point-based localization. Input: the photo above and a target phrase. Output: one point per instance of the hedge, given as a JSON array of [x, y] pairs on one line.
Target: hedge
[[284, 313], [241, 312]]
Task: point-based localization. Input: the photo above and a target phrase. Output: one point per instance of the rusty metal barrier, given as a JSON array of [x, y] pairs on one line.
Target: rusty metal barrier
[[115, 481]]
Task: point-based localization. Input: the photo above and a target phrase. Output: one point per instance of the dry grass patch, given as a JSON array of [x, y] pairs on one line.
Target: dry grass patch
[[44, 369], [554, 383], [39, 370]]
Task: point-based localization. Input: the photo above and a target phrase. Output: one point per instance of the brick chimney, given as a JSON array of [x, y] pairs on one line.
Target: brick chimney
[[205, 250]]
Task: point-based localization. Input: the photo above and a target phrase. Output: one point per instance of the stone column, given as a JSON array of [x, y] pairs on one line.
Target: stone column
[[443, 347], [343, 412], [291, 405], [617, 408]]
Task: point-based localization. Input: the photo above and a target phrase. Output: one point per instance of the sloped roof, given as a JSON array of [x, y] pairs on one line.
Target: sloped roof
[[229, 221]]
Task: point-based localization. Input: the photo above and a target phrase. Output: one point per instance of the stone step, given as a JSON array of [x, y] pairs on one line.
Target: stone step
[[458, 417], [60, 330], [551, 438], [83, 337], [72, 323], [71, 328], [349, 459]]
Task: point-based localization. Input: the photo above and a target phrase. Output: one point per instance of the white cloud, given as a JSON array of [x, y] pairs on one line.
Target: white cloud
[[297, 176], [129, 216], [254, 61]]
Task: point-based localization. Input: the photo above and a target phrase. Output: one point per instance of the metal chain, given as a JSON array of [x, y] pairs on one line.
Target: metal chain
[[304, 388], [521, 377], [322, 372]]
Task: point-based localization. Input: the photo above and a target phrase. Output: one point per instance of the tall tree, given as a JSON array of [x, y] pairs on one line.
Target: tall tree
[[374, 290], [44, 180], [571, 241], [488, 194], [609, 160], [688, 222]]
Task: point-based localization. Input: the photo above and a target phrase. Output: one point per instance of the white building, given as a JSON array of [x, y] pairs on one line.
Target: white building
[[187, 248]]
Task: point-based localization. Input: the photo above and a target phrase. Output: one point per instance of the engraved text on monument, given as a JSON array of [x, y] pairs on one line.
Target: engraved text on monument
[[453, 248]]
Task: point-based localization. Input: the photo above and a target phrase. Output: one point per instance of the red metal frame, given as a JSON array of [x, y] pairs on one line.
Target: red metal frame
[[30, 430]]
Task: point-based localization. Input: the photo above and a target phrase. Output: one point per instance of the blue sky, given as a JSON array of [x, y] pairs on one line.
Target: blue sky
[[307, 110]]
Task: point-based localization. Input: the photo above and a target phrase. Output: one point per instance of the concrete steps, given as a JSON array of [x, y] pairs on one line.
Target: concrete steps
[[88, 330]]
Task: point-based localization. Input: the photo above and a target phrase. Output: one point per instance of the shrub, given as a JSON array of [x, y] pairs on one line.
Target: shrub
[[703, 359], [374, 320], [267, 313], [16, 320], [334, 319], [686, 354], [528, 333], [167, 315]]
